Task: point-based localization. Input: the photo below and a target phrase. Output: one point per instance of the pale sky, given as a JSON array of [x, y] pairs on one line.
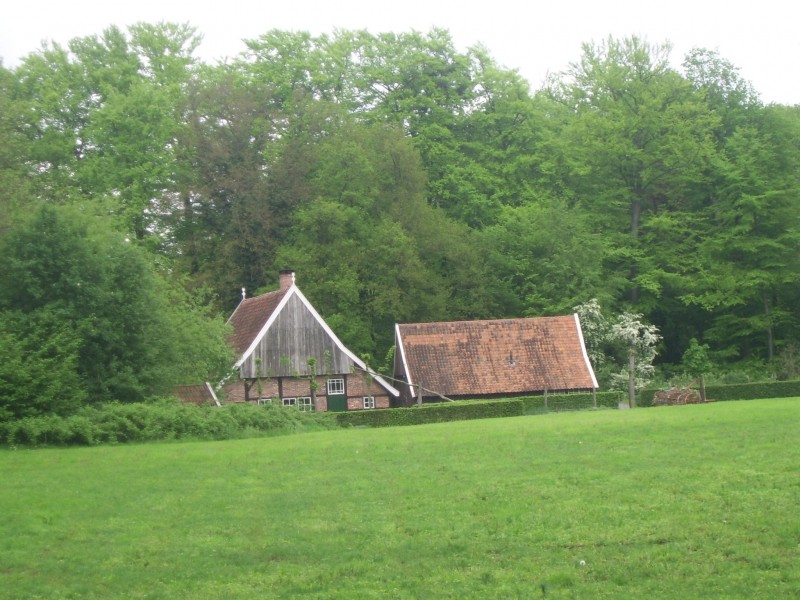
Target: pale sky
[[760, 38]]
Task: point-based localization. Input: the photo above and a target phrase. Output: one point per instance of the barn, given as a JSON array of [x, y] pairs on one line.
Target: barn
[[491, 359]]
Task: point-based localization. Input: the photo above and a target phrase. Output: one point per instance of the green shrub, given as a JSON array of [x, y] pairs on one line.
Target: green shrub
[[754, 391], [432, 413], [161, 420], [740, 391], [564, 402]]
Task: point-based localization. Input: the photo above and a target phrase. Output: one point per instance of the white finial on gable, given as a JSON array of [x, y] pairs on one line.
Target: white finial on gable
[[244, 294]]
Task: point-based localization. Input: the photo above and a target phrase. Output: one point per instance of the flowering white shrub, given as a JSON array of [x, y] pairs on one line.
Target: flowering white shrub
[[618, 340]]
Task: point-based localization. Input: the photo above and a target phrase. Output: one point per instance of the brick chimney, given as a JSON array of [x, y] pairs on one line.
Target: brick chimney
[[286, 279]]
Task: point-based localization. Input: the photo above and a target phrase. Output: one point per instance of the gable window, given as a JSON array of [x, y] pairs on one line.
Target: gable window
[[369, 401], [335, 387]]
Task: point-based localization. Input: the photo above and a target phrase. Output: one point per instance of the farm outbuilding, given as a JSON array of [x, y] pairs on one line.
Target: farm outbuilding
[[288, 354], [491, 359]]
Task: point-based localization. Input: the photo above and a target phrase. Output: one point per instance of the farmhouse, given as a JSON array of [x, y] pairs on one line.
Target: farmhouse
[[288, 354], [491, 359]]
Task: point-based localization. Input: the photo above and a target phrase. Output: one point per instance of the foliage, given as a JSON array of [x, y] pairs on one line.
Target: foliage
[[477, 409], [404, 179], [623, 348], [788, 366], [38, 366], [595, 329], [639, 340], [696, 360], [433, 413], [754, 391], [158, 421], [569, 402], [96, 316]]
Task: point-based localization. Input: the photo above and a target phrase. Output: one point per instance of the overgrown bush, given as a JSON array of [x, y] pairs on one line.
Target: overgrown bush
[[162, 420]]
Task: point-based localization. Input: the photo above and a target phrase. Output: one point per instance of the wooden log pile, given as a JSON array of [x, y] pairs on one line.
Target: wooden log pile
[[676, 397]]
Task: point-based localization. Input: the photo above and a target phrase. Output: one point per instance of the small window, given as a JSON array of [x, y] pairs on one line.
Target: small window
[[265, 400], [369, 401], [303, 404], [335, 387]]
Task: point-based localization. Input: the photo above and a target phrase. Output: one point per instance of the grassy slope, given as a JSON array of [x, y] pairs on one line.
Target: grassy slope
[[694, 501]]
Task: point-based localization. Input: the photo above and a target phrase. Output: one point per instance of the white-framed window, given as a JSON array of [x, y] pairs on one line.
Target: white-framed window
[[335, 387], [369, 401], [302, 403], [265, 400]]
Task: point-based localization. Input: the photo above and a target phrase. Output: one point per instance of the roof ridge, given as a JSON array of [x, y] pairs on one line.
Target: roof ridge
[[511, 319]]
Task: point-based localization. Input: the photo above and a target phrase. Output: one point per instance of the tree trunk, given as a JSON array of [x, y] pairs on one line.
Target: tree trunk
[[702, 387], [636, 217], [770, 333], [631, 379]]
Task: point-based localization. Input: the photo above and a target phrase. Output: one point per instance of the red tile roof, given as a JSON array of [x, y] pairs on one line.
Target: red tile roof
[[249, 318], [508, 356], [195, 394]]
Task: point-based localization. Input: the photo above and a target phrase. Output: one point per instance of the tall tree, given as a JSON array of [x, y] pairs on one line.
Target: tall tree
[[371, 250], [15, 172], [545, 259], [67, 275], [750, 253], [640, 139]]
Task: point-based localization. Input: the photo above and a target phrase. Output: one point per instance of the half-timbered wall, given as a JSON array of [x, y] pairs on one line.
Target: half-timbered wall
[[358, 385], [294, 338]]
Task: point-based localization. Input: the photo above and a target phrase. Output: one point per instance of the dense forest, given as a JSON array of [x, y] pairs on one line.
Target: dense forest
[[403, 180]]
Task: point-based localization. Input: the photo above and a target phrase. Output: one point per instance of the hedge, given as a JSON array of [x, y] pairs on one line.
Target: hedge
[[167, 420], [476, 409], [737, 391], [753, 391], [564, 402], [433, 413]]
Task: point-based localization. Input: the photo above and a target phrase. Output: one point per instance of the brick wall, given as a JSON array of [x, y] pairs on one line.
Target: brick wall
[[357, 385]]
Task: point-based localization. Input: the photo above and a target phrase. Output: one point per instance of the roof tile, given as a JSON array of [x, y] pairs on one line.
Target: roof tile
[[507, 356], [249, 318]]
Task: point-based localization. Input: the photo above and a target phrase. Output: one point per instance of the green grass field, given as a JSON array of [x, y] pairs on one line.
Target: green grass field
[[684, 502]]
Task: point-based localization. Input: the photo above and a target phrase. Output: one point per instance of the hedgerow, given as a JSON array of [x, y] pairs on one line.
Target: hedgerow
[[737, 391], [162, 420], [432, 413]]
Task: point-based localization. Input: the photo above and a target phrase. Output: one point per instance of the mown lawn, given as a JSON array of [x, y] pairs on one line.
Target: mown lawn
[[684, 502]]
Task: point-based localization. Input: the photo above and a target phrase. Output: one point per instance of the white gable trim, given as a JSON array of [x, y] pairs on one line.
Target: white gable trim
[[234, 311], [265, 328], [213, 395], [295, 291], [402, 351], [360, 363], [583, 350]]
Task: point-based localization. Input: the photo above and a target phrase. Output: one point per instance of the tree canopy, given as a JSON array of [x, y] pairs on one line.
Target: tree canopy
[[402, 178]]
